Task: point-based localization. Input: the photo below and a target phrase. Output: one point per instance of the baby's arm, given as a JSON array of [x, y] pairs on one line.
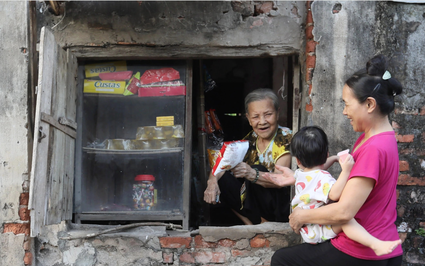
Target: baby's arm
[[338, 187], [330, 161]]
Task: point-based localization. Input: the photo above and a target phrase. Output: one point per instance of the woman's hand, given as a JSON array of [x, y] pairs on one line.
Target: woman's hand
[[243, 170], [283, 179], [294, 221], [212, 193]]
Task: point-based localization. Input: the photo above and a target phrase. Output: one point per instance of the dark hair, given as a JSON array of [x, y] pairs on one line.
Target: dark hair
[[261, 94], [310, 146], [369, 82]]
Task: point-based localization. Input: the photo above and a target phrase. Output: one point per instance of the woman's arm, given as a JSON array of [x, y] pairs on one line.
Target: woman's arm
[[243, 170], [352, 199], [212, 190]]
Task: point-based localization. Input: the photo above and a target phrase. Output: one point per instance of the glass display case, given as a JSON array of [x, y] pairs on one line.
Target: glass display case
[[133, 145]]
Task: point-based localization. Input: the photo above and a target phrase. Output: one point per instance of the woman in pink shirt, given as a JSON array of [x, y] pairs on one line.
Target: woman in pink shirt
[[370, 193]]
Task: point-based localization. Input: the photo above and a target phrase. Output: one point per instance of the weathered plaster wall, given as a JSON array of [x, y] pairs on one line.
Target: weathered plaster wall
[[193, 24], [13, 133], [347, 34]]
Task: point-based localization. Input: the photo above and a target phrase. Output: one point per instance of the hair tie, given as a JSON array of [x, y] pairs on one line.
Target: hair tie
[[386, 75]]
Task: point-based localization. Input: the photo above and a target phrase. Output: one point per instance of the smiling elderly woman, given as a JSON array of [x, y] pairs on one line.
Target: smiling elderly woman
[[253, 198]]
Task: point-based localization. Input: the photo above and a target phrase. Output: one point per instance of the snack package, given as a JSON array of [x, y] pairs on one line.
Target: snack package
[[212, 155], [165, 88], [133, 85], [215, 121], [159, 75], [104, 86], [231, 154], [122, 75], [343, 154], [93, 70], [208, 123]]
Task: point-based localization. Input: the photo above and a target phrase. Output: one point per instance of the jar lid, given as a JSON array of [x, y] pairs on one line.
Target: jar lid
[[144, 178]]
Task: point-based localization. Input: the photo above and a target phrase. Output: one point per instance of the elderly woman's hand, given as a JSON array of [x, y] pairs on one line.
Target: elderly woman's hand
[[294, 220], [212, 193], [243, 170]]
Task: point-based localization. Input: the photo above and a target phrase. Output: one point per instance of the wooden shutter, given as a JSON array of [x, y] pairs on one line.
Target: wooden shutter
[[52, 170]]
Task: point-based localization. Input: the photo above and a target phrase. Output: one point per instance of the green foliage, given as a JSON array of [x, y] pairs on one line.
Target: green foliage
[[420, 231]]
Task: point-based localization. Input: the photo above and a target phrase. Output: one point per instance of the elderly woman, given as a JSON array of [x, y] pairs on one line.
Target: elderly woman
[[243, 188], [370, 193]]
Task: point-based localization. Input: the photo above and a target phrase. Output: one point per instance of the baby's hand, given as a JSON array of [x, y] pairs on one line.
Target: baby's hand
[[347, 164]]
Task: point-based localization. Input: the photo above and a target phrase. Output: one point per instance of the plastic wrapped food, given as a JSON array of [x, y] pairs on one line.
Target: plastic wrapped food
[[122, 75], [159, 75], [215, 121], [169, 88], [208, 122], [133, 85], [231, 154]]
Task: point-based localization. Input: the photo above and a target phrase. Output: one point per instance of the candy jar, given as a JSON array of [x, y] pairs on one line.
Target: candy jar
[[144, 192]]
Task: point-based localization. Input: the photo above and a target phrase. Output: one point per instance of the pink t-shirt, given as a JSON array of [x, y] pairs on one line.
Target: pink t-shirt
[[378, 159]]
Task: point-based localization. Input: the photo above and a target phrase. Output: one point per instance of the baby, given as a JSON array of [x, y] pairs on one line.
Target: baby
[[315, 187]]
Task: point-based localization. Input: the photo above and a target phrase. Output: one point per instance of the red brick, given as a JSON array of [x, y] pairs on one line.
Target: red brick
[[405, 138], [398, 193], [175, 242], [257, 23], [309, 75], [407, 151], [17, 228], [407, 180], [167, 257], [265, 7], [187, 257], [201, 243], [422, 225], [400, 210], [27, 245], [308, 107], [24, 214], [226, 243], [24, 198], [416, 241], [404, 165], [28, 258], [259, 241], [240, 253], [311, 61], [309, 33], [208, 256], [310, 46], [402, 236], [310, 89], [309, 19]]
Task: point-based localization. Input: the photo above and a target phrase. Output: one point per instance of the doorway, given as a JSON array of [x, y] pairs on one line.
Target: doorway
[[221, 85]]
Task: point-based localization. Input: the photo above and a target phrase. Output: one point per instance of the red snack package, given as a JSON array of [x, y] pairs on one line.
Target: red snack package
[[231, 154], [122, 75], [168, 88], [208, 123], [159, 75], [133, 86], [215, 121]]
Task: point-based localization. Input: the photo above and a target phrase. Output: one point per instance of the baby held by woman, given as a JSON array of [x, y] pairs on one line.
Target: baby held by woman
[[315, 187]]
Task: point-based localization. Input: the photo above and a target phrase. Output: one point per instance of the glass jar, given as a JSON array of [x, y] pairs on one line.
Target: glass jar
[[144, 192]]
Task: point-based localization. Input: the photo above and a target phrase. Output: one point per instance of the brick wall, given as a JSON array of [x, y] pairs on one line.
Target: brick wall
[[410, 132], [236, 245]]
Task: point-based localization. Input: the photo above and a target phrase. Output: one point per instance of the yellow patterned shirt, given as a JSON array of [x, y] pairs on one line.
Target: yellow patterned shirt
[[278, 146]]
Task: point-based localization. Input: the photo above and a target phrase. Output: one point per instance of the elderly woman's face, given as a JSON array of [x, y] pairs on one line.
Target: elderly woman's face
[[263, 118]]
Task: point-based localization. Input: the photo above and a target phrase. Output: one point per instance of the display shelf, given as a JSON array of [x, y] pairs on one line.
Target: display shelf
[[151, 151]]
